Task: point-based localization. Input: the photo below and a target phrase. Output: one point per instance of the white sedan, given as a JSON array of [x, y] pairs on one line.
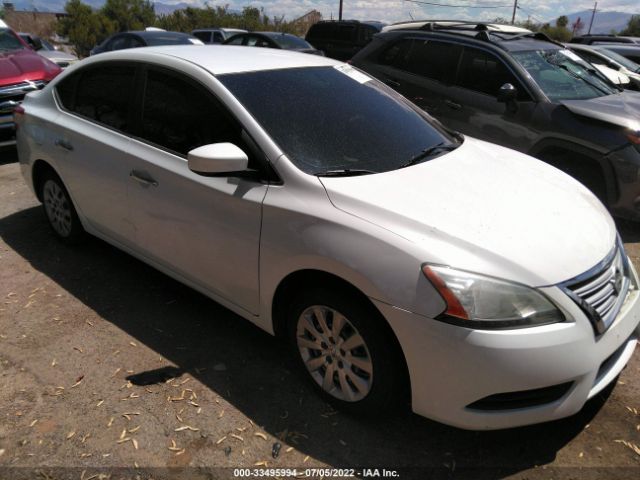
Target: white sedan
[[401, 261]]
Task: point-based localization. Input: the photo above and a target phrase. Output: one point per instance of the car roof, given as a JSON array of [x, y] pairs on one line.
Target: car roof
[[224, 59], [512, 42], [418, 24]]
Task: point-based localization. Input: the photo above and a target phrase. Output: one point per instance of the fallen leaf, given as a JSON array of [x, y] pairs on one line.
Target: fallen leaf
[[186, 427]]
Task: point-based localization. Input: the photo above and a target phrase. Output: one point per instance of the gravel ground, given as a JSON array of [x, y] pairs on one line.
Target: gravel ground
[[110, 368]]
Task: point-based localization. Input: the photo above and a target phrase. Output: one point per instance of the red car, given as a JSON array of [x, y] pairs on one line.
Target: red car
[[22, 70]]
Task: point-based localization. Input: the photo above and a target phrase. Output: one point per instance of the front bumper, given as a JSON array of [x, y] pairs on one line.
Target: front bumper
[[452, 367]]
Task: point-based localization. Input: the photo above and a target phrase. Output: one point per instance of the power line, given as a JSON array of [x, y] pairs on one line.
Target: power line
[[502, 5]]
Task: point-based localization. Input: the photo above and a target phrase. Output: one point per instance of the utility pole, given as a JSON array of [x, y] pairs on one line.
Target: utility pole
[[340, 13], [593, 14], [515, 7]]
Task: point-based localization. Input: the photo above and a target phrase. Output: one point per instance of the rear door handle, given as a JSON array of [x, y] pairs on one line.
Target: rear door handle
[[62, 143], [143, 178], [452, 105]]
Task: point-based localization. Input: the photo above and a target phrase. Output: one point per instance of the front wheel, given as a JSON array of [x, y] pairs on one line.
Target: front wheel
[[343, 348]]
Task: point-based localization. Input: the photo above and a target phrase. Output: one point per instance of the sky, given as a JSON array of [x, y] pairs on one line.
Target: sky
[[397, 10]]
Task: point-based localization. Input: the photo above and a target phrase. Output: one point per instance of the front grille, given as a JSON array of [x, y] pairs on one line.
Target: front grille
[[601, 291], [17, 91]]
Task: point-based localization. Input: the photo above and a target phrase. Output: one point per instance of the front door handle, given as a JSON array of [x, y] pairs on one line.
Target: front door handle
[[452, 105], [143, 178], [62, 143]]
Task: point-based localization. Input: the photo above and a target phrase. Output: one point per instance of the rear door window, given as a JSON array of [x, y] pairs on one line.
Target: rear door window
[[435, 60], [102, 94], [397, 55], [204, 36]]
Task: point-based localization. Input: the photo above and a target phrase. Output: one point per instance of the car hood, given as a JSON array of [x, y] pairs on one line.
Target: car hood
[[620, 108], [23, 65], [486, 209], [54, 55]]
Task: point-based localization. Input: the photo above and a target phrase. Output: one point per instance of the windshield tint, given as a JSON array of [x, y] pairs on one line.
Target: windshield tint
[[624, 61], [562, 75], [328, 118], [8, 40]]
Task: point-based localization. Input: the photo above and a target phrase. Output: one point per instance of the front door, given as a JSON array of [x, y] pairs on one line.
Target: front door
[[205, 229], [471, 105]]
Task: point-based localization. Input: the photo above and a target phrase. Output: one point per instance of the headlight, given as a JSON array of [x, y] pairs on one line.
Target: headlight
[[476, 301]]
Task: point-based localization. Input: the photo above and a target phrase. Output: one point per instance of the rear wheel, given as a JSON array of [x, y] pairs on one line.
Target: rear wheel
[[59, 209], [343, 349]]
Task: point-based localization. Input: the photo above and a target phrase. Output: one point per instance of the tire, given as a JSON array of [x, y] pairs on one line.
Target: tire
[[355, 366], [59, 210]]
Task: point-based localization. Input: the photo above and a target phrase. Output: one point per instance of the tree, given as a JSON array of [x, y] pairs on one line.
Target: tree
[[633, 27], [562, 21], [84, 27], [129, 14]]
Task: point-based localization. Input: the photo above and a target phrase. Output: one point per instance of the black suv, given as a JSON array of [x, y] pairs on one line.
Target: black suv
[[342, 39], [523, 91]]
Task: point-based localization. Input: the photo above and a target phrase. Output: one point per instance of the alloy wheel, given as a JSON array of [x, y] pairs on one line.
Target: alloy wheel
[[334, 353], [58, 208]]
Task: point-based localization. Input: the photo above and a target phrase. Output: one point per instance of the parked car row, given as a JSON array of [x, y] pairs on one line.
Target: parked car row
[[399, 259]]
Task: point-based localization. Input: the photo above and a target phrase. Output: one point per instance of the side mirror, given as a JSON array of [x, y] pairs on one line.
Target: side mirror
[[217, 158], [507, 93]]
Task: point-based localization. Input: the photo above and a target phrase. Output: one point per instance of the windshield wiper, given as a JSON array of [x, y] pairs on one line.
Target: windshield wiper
[[429, 153], [576, 75], [344, 172]]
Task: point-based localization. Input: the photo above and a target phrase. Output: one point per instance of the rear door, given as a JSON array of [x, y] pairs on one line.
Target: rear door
[[92, 144], [471, 104], [204, 229]]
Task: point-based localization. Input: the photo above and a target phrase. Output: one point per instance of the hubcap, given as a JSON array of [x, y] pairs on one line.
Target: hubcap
[[334, 353], [57, 208]]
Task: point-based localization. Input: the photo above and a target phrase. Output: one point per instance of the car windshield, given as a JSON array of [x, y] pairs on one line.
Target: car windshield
[[8, 40], [290, 42], [562, 75], [624, 61], [333, 119]]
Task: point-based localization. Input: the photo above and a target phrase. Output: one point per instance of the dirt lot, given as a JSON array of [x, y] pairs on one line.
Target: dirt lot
[[84, 331]]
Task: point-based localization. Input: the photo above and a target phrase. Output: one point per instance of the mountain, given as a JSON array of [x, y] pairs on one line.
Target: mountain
[[58, 5], [603, 23]]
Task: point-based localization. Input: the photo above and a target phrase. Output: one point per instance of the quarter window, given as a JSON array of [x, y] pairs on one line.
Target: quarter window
[[179, 115], [101, 95]]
